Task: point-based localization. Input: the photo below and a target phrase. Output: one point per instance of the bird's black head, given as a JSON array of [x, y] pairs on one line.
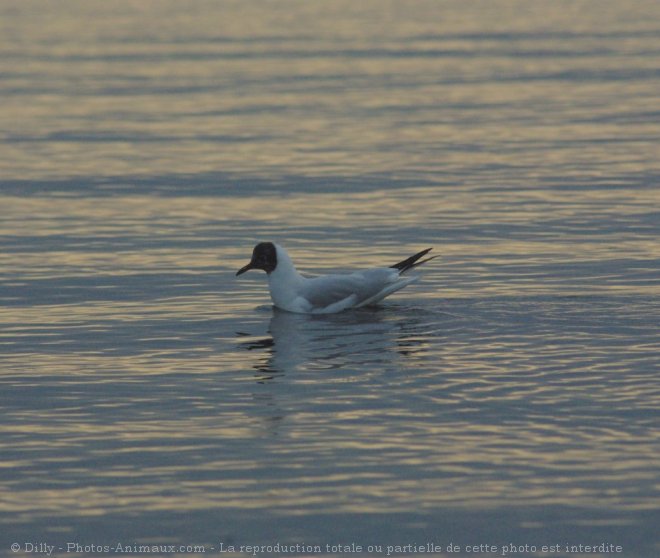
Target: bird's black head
[[264, 256]]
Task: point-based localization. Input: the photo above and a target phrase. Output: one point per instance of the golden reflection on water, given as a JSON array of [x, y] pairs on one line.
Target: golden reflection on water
[[444, 455], [141, 234], [345, 97], [445, 463], [146, 151]]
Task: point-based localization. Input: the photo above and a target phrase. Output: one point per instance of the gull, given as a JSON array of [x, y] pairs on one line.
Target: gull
[[328, 294]]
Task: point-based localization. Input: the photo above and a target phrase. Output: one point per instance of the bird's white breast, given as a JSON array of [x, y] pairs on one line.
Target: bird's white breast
[[284, 283]]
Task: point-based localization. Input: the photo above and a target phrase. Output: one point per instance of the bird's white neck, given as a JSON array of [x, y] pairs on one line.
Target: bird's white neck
[[284, 265], [284, 280]]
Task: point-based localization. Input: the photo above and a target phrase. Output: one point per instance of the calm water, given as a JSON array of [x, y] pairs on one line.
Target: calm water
[[150, 397]]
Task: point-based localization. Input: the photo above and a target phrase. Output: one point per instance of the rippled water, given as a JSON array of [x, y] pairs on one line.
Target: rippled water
[[150, 396]]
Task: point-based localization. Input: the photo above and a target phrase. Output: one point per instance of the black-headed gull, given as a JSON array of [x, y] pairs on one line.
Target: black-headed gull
[[327, 294]]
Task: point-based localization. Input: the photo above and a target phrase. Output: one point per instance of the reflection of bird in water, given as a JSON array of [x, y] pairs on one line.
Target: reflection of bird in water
[[350, 346], [368, 337], [328, 294]]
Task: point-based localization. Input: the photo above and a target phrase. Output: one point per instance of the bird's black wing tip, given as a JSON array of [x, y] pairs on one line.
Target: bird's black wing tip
[[411, 262]]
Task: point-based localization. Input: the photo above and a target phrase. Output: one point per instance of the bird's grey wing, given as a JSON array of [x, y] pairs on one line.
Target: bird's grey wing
[[322, 292]]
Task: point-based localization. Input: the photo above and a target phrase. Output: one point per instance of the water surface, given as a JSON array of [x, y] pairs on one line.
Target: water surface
[[150, 396]]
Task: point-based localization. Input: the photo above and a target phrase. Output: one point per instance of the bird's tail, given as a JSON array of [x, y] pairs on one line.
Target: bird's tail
[[412, 261]]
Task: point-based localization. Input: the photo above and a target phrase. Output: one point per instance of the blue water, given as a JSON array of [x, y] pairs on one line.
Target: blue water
[[509, 398]]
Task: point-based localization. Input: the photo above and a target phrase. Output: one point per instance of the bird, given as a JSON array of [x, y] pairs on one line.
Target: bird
[[328, 294]]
